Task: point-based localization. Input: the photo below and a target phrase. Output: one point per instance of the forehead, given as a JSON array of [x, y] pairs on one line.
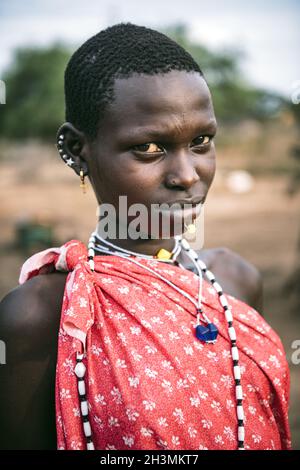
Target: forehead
[[177, 97]]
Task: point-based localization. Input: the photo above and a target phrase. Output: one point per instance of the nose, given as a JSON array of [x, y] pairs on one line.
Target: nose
[[181, 172]]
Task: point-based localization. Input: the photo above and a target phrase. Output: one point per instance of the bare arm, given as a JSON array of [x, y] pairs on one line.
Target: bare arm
[[29, 319]]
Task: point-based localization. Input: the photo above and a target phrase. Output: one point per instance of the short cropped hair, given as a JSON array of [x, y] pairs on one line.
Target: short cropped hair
[[116, 52]]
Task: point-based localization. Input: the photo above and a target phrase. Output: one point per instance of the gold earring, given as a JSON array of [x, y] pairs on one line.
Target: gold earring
[[82, 182]]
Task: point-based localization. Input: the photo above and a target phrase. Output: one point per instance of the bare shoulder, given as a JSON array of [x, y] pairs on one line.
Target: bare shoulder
[[237, 276], [29, 325], [30, 313]]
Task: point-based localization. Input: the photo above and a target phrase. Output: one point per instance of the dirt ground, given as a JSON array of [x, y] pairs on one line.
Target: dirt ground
[[262, 225]]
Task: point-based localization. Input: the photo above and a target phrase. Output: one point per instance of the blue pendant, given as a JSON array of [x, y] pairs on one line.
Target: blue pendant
[[208, 333], [213, 332]]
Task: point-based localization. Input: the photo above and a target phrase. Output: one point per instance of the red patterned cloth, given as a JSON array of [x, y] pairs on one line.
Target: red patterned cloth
[[150, 383]]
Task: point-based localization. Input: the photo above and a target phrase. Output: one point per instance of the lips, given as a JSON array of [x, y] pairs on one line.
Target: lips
[[182, 208], [192, 201]]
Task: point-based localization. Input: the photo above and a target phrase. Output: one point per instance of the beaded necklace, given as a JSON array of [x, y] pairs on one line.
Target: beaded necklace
[[207, 333]]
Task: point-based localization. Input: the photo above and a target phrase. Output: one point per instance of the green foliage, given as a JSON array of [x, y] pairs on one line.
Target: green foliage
[[35, 99]]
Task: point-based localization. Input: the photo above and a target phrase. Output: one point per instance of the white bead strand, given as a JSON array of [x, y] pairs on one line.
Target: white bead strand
[[80, 371], [232, 337]]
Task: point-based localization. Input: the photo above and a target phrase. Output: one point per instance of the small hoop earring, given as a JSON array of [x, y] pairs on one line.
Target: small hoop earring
[[82, 182]]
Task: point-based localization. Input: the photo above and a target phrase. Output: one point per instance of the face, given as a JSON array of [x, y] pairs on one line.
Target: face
[[155, 143]]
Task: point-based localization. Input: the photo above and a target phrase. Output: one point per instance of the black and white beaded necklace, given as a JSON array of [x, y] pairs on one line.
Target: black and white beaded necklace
[[206, 332]]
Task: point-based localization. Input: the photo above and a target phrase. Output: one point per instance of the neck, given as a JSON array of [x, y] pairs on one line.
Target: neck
[[143, 246]]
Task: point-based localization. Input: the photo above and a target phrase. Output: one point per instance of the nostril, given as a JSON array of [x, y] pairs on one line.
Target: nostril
[[175, 186]]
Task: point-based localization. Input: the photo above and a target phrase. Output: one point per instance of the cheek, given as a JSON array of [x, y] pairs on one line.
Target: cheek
[[206, 167], [138, 182], [125, 177], [212, 170]]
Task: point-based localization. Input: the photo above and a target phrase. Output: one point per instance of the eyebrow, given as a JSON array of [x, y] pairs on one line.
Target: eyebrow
[[146, 133]]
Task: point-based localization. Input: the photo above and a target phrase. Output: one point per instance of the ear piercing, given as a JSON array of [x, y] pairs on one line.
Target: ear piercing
[[82, 182], [69, 161], [60, 146]]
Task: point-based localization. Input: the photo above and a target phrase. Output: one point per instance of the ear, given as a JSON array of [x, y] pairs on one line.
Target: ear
[[73, 147]]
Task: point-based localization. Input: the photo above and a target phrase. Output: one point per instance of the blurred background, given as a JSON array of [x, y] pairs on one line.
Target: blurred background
[[248, 52]]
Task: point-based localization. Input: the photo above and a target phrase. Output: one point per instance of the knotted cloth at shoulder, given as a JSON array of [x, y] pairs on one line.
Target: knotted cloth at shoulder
[[63, 258]]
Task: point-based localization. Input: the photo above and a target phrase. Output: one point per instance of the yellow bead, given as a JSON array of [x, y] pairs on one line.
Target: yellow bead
[[163, 254]]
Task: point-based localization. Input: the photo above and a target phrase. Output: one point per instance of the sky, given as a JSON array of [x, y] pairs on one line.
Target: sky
[[267, 31]]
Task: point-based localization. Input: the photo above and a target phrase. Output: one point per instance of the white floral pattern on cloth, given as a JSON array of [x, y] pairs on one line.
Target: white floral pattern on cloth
[[150, 383]]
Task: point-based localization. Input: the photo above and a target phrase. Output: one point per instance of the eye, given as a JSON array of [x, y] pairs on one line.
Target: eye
[[202, 140], [149, 148]]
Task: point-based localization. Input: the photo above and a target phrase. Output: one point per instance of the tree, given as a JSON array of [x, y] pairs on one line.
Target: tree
[[35, 98]]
